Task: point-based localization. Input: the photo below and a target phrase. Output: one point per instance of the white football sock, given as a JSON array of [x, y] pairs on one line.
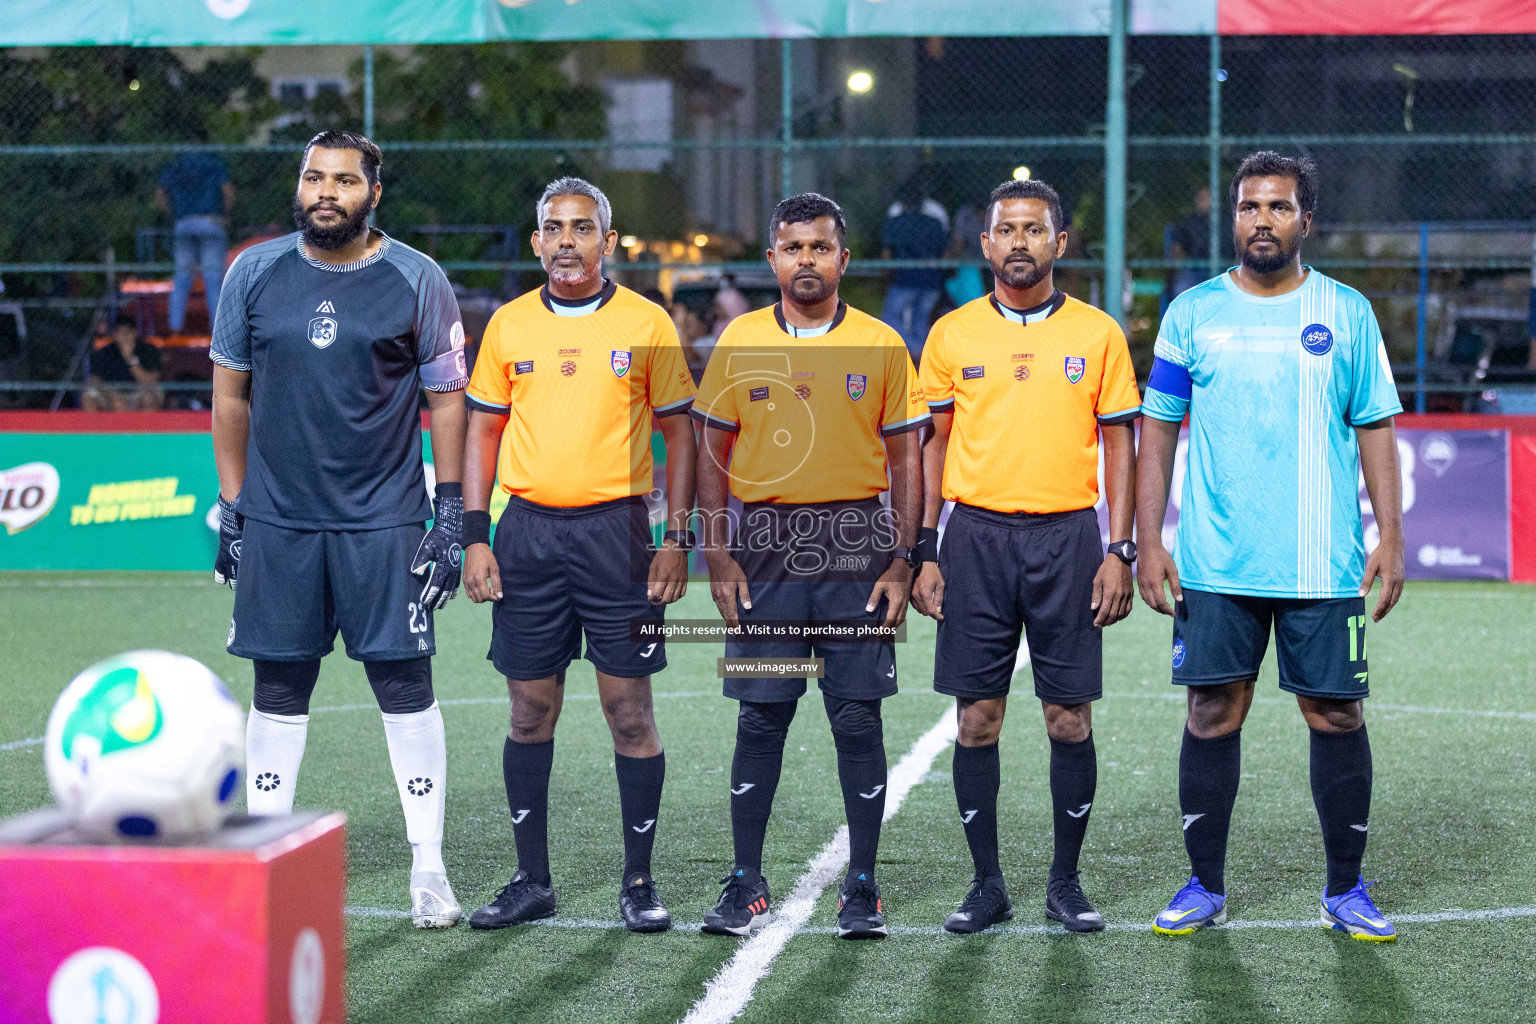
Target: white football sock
[[274, 746], [418, 751]]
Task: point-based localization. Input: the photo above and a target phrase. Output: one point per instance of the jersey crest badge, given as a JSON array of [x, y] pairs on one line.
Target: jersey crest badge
[[1075, 365], [322, 331], [857, 382], [1317, 339], [620, 363]]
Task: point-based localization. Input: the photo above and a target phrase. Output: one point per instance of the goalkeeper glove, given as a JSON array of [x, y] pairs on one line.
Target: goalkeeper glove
[[231, 525], [442, 548]]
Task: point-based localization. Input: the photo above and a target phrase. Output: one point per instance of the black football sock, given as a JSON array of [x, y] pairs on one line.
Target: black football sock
[[1074, 777], [525, 769], [640, 780], [1209, 771], [859, 735], [976, 776], [1341, 789], [760, 732]]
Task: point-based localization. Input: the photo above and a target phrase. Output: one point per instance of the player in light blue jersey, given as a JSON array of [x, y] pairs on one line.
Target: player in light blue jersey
[[1284, 376]]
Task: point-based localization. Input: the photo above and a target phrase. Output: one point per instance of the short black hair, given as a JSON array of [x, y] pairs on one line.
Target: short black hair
[[804, 208], [1027, 189], [373, 157], [1267, 162]]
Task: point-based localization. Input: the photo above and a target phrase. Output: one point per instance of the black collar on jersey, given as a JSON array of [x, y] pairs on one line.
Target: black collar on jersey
[[1048, 307], [552, 300], [837, 318]]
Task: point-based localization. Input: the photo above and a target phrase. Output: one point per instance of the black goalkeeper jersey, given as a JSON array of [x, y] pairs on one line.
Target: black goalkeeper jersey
[[337, 357]]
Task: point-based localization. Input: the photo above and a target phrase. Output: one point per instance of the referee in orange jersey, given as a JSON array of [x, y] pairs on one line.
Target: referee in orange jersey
[[560, 404], [811, 411], [1022, 384]]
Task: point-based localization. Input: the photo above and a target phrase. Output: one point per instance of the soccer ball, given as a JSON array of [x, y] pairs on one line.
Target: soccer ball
[[146, 745]]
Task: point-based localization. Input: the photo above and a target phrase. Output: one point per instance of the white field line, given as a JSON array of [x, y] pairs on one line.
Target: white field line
[[31, 741], [1438, 917], [727, 995]]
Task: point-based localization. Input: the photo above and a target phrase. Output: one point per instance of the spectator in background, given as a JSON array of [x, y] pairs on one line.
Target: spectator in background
[[698, 333], [127, 360], [196, 191], [913, 234], [1188, 239], [729, 304], [967, 283]]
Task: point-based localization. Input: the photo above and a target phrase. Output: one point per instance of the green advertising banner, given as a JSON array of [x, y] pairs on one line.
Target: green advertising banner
[[107, 501], [276, 22]]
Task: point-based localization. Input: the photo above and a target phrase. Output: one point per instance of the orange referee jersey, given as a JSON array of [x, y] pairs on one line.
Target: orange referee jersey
[[1028, 392], [579, 383], [810, 412]]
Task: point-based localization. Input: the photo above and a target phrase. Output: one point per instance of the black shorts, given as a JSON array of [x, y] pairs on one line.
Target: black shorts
[[813, 563], [1004, 573], [297, 588], [565, 571], [1221, 638]]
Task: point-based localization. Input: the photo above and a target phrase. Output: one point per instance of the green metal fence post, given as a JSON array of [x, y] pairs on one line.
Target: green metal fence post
[[1213, 160], [368, 91], [786, 117], [1115, 132]]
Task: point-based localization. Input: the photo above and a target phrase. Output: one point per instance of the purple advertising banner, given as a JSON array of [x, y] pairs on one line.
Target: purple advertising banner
[[1455, 503]]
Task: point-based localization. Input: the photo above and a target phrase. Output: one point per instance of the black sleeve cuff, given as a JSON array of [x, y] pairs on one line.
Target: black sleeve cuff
[[710, 421]]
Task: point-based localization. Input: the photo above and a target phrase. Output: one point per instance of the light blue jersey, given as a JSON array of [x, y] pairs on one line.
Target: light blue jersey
[[1274, 387]]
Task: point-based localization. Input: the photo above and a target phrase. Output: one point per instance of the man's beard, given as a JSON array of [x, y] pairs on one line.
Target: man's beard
[[810, 289], [570, 276], [1281, 257], [1022, 275], [343, 232]]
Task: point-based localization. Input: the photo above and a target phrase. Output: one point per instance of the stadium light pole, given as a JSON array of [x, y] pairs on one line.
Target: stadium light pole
[[1114, 167], [1213, 160]]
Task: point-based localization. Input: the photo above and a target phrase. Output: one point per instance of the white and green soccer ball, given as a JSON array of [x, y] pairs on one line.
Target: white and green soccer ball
[[147, 745]]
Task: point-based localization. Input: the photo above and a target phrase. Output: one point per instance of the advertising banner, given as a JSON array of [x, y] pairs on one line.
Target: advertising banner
[[1455, 503]]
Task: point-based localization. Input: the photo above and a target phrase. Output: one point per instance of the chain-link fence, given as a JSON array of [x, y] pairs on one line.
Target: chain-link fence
[[1427, 147]]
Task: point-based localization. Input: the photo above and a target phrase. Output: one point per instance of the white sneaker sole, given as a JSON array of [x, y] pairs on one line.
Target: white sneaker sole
[[438, 920]]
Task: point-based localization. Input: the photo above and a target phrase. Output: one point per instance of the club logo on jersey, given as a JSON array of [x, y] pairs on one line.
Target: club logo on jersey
[[322, 331], [757, 394], [1317, 339], [1021, 372], [972, 372], [857, 382], [802, 391], [1178, 652], [568, 368], [523, 367], [1075, 367], [620, 363]]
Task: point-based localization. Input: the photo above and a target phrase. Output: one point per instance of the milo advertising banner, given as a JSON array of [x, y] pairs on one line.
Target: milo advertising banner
[[113, 501]]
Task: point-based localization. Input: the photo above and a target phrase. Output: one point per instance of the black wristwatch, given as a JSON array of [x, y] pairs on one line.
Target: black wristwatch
[[1125, 550], [911, 556], [683, 538]]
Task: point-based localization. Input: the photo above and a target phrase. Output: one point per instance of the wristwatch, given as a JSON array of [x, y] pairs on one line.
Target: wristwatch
[[682, 538], [911, 556], [1125, 550]]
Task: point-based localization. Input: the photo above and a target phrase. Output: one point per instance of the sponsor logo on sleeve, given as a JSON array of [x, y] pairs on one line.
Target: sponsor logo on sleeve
[[1317, 339], [456, 335], [757, 394], [525, 366], [972, 372], [27, 494], [1075, 366]]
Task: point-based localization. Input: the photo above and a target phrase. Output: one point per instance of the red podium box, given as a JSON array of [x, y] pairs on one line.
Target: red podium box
[[244, 930]]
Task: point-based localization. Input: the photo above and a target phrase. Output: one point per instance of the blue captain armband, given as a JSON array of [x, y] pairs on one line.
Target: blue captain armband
[[1168, 391]]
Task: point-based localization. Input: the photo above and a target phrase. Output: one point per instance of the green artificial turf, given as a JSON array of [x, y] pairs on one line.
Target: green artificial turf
[[1453, 828]]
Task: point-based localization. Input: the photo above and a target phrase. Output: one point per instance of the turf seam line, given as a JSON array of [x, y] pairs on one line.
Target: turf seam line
[[31, 741], [727, 994], [681, 928]]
